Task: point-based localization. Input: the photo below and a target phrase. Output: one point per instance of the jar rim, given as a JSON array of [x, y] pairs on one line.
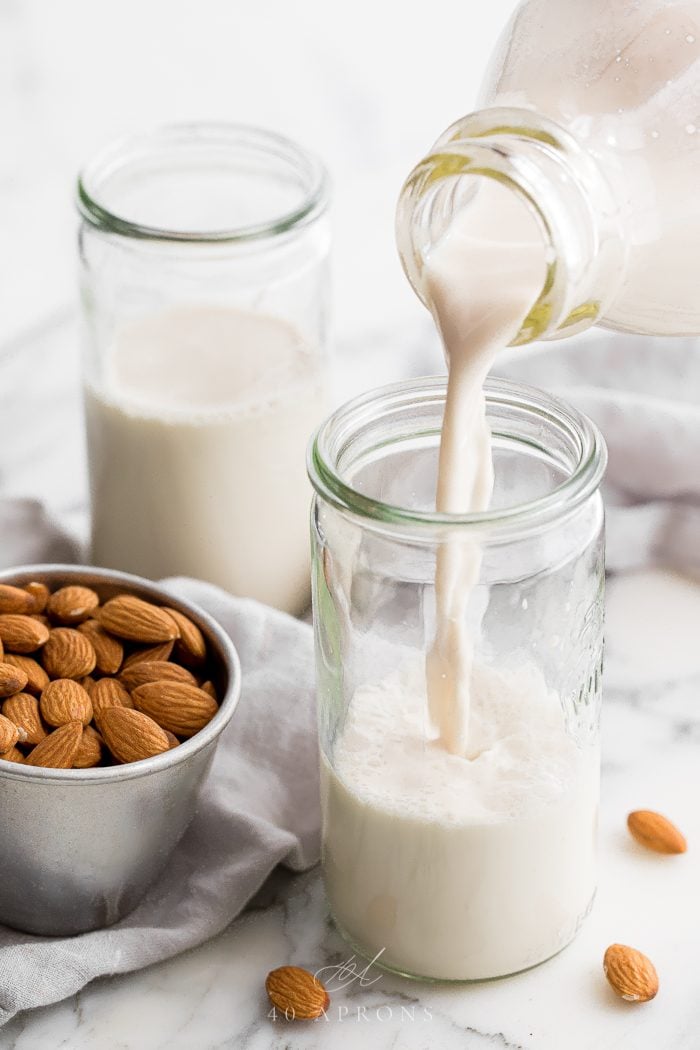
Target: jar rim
[[334, 434], [132, 149]]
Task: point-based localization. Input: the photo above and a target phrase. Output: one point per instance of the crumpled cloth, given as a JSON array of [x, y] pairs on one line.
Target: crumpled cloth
[[259, 807]]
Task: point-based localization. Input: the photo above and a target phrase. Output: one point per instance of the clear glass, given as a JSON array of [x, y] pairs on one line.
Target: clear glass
[[204, 273], [425, 859], [591, 115]]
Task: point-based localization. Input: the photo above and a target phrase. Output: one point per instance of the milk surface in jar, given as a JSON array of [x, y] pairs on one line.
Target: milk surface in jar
[[465, 851]]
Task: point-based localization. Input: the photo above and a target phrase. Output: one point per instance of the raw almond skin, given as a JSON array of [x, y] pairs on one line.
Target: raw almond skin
[[41, 618], [13, 755], [37, 678], [109, 692], [23, 710], [12, 679], [109, 651], [64, 701], [190, 644], [58, 749], [15, 600], [40, 593], [158, 671], [9, 734], [68, 654], [22, 634], [630, 973], [296, 993], [131, 735], [89, 753], [137, 621], [151, 655], [656, 832], [73, 604], [183, 709]]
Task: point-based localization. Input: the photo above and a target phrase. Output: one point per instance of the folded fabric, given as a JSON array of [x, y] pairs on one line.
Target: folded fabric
[[258, 808]]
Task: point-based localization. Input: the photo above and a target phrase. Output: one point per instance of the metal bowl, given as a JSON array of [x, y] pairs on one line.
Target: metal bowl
[[80, 847]]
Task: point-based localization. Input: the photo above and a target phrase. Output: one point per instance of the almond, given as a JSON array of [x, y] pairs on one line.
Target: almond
[[656, 832], [158, 671], [173, 740], [58, 749], [68, 654], [150, 655], [23, 710], [183, 709], [137, 621], [9, 734], [13, 755], [12, 679], [296, 993], [90, 751], [208, 687], [64, 701], [22, 634], [40, 618], [109, 651], [109, 692], [37, 678], [15, 600], [132, 735], [190, 644], [73, 604], [630, 973], [40, 593]]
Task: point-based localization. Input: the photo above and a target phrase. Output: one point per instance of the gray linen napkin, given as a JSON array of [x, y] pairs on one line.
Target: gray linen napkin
[[258, 808]]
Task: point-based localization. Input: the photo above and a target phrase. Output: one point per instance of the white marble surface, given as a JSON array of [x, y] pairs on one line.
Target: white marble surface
[[369, 86]]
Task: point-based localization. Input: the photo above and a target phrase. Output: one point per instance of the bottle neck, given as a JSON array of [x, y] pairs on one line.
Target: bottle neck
[[560, 183]]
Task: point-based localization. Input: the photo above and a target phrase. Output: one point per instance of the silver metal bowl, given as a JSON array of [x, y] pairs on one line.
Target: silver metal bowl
[[80, 847]]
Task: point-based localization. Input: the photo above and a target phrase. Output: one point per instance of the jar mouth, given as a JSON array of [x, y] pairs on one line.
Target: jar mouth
[[332, 447], [202, 183]]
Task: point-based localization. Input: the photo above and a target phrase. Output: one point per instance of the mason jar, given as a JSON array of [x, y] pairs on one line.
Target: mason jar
[[204, 273], [471, 865]]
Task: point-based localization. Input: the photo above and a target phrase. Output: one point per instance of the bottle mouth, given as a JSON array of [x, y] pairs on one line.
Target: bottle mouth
[[203, 183], [405, 417]]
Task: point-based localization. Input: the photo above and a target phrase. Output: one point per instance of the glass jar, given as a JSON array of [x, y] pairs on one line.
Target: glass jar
[[445, 866], [204, 270]]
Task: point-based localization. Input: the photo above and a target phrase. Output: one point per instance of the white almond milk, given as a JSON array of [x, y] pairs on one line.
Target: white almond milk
[[197, 434], [460, 816]]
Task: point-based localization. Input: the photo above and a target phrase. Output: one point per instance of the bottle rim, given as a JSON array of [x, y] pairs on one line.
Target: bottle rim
[[339, 433], [142, 150]]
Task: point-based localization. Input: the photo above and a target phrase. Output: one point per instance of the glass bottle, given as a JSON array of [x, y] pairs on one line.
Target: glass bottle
[[591, 113], [445, 868], [204, 271]]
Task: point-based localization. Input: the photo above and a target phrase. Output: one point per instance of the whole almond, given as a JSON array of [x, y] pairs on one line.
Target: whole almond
[[183, 709], [190, 644], [37, 678], [22, 634], [23, 710], [173, 740], [42, 619], [131, 735], [150, 655], [9, 734], [12, 679], [137, 621], [73, 604], [208, 687], [656, 832], [109, 692], [64, 701], [296, 993], [158, 671], [89, 753], [58, 749], [13, 755], [109, 651], [630, 973], [15, 600], [68, 654], [40, 593]]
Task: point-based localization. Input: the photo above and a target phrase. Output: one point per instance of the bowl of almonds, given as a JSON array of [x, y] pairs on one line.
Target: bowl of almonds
[[113, 694]]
